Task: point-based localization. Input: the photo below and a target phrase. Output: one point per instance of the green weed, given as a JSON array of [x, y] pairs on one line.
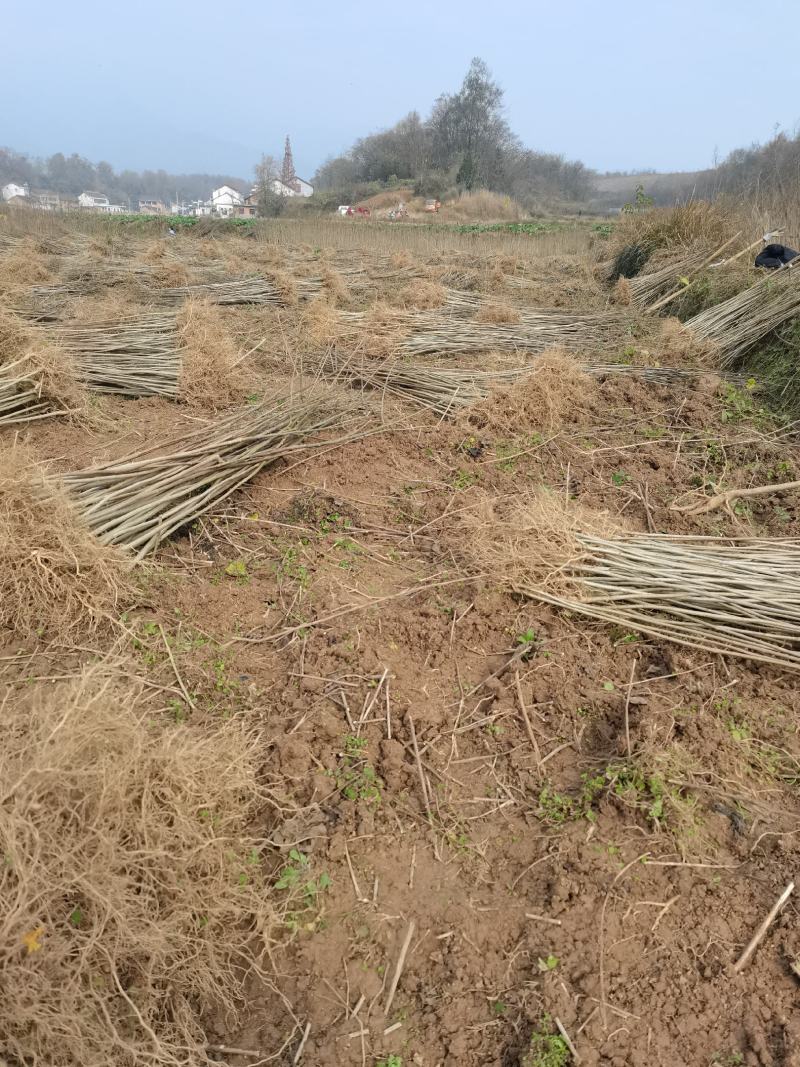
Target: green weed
[[546, 1049], [355, 777], [237, 569], [295, 876], [464, 479]]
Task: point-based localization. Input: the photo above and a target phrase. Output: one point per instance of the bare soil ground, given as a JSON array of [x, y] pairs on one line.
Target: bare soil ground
[[481, 815]]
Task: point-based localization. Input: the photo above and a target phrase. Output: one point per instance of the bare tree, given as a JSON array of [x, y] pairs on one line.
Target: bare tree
[[270, 202]]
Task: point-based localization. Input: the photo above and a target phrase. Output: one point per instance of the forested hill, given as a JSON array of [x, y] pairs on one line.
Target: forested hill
[[464, 143]]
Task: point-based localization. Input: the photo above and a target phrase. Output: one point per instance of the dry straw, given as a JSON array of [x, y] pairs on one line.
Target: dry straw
[[133, 902], [37, 380], [55, 577], [210, 373]]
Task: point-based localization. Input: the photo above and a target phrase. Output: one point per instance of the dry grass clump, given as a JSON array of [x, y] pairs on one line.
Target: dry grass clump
[[132, 898], [556, 392], [209, 375], [56, 375], [400, 260], [482, 205], [320, 324], [155, 252], [116, 303], [285, 285], [680, 346], [15, 336], [621, 293], [45, 370], [334, 285], [532, 540], [679, 226], [169, 274], [499, 313], [55, 577], [23, 265], [420, 293]]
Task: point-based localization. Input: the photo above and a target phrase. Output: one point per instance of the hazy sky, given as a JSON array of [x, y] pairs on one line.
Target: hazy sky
[[205, 86]]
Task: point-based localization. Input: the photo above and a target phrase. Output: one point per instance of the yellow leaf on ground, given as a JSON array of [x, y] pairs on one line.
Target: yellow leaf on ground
[[33, 939]]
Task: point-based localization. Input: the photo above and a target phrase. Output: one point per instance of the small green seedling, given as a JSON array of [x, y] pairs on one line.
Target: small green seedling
[[546, 1048], [237, 568]]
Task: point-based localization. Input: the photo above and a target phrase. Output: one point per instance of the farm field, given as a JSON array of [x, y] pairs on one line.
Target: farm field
[[383, 681]]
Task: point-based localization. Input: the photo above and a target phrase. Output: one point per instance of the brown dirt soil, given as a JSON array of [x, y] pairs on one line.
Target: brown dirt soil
[[557, 818]]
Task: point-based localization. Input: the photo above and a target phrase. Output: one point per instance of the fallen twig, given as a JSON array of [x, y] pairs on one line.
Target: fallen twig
[[401, 960], [567, 1039], [302, 1044], [761, 932], [724, 499]]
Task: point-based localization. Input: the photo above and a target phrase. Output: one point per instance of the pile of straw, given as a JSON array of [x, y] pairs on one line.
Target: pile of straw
[[210, 374], [36, 381], [134, 901], [138, 501], [55, 577]]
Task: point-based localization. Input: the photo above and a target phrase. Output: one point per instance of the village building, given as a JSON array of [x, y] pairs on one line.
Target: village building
[[152, 207], [14, 189], [95, 201], [225, 200]]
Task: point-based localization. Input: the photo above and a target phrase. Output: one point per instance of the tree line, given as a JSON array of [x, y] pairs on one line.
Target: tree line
[[465, 143], [72, 175], [758, 172]]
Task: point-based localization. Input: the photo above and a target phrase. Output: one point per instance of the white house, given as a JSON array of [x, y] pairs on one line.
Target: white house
[[94, 200], [199, 208], [297, 187], [14, 189], [225, 199]]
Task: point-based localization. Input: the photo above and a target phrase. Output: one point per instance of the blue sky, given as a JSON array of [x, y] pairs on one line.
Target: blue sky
[[204, 86]]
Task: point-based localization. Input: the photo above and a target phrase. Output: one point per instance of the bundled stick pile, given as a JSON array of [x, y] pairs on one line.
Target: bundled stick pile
[[740, 322], [440, 389], [536, 332], [736, 597], [646, 289], [137, 502], [443, 390], [135, 357], [23, 397], [252, 290]]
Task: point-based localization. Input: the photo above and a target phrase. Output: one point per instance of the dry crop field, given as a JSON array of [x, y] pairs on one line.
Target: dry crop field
[[398, 664]]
